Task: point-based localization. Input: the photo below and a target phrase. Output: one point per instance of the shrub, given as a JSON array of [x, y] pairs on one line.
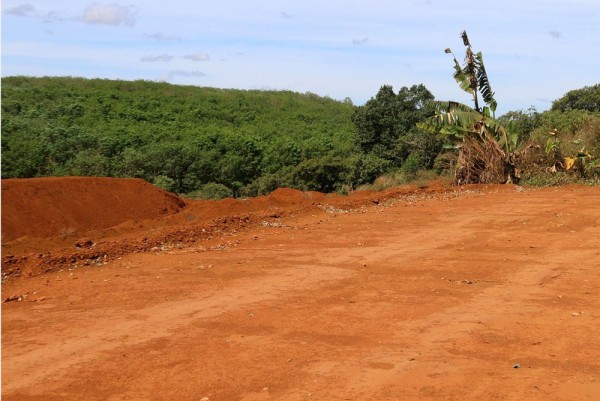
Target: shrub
[[325, 174], [211, 191], [413, 163], [268, 183], [164, 182], [566, 141]]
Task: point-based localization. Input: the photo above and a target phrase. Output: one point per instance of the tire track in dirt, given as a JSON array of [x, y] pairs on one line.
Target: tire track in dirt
[[158, 321], [435, 343], [508, 307]]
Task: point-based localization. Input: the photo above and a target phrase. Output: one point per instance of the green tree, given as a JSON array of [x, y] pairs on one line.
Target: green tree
[[523, 122], [387, 121], [586, 98], [326, 174], [88, 163]]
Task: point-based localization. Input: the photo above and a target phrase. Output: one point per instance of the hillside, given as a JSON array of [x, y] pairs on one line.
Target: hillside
[[217, 143], [179, 137]]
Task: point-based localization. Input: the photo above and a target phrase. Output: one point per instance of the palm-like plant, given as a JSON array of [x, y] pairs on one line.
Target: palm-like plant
[[486, 148]]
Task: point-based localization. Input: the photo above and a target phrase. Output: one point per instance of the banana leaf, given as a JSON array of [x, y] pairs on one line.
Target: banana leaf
[[484, 84]]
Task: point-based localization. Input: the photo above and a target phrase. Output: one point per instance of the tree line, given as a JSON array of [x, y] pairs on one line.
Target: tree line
[[209, 142], [188, 139]]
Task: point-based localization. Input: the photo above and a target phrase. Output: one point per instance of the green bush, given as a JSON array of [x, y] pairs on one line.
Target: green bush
[[366, 168], [211, 191], [413, 163], [268, 183], [164, 182], [325, 174], [573, 134]]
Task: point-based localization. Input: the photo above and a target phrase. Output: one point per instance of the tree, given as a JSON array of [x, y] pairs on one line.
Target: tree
[[385, 121], [586, 98], [325, 174], [486, 149], [524, 122]]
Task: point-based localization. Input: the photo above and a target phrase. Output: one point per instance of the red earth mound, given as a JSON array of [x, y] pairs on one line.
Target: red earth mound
[[50, 223], [48, 207]]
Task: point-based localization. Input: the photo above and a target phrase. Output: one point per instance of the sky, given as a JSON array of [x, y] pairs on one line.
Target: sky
[[534, 50]]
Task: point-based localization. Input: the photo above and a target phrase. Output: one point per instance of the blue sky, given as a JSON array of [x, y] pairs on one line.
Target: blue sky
[[534, 50]]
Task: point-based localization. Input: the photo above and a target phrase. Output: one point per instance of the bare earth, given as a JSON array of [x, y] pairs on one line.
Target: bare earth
[[479, 293]]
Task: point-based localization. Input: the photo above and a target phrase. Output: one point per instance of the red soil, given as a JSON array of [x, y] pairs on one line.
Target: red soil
[[119, 291], [49, 207]]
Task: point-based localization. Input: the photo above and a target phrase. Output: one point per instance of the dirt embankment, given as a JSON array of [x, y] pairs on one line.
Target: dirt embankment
[[50, 207], [50, 223]]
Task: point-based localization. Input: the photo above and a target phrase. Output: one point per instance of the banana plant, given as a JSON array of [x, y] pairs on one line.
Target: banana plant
[[472, 76], [458, 121]]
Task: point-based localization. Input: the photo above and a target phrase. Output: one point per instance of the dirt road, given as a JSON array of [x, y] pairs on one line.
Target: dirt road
[[481, 294]]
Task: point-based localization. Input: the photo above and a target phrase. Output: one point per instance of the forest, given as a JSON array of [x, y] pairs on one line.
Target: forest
[[215, 143]]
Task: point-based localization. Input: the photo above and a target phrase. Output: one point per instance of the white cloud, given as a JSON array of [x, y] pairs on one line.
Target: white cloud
[[164, 58], [109, 14], [197, 57], [23, 10]]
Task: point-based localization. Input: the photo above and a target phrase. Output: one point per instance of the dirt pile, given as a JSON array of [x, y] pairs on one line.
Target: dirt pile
[[48, 207], [52, 223]]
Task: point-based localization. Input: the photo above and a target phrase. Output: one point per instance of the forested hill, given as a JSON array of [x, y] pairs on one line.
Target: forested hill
[[178, 137]]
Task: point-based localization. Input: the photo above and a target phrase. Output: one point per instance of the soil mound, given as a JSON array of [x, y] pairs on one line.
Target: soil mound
[[49, 223], [48, 207]]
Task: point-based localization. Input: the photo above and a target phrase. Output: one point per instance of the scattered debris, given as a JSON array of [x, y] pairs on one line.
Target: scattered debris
[[275, 224], [84, 244], [331, 209], [17, 298], [460, 282]]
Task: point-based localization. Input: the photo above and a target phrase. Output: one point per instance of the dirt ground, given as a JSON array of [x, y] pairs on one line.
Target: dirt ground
[[117, 291]]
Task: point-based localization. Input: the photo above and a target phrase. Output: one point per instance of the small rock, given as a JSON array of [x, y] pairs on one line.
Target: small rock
[[18, 298], [517, 366], [84, 244]]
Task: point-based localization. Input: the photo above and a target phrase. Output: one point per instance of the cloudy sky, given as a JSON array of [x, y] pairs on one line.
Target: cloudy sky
[[534, 50]]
